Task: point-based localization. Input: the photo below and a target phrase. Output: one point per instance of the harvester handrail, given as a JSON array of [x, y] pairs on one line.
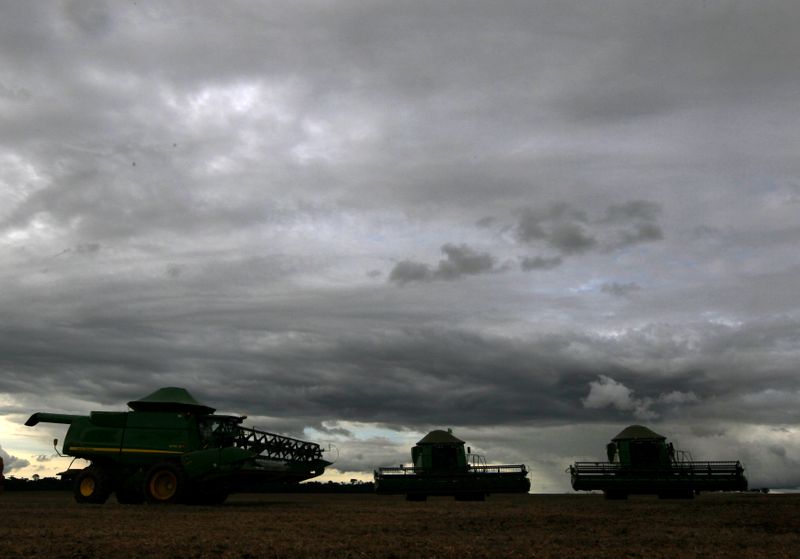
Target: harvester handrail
[[708, 468], [695, 463], [412, 470], [400, 470], [275, 446], [498, 468]]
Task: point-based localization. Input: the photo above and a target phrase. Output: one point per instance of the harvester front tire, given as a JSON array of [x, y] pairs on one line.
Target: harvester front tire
[[416, 497], [164, 484], [612, 495], [92, 485]]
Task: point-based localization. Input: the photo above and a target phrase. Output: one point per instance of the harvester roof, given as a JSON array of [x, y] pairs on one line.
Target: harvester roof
[[440, 437], [170, 399], [638, 432]]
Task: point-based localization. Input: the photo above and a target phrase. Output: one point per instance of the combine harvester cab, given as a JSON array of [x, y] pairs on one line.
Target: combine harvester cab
[[172, 449], [442, 468], [641, 462]]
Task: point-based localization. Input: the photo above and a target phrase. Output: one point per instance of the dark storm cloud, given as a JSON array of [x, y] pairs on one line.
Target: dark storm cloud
[[459, 261], [410, 376], [540, 263], [392, 379], [571, 231], [636, 222], [408, 271], [620, 289], [537, 224], [570, 238]]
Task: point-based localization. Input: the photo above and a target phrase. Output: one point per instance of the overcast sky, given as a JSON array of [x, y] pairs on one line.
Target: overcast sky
[[534, 222]]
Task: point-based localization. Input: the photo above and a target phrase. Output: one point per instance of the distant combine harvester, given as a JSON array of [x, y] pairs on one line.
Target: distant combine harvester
[[172, 449], [441, 467], [641, 462]]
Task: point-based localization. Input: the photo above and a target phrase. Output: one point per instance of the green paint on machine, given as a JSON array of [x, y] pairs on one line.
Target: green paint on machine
[[641, 461], [441, 467], [171, 448]]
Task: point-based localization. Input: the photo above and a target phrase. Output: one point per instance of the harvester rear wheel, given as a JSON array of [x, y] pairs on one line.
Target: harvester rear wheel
[[416, 497], [164, 484], [92, 485], [615, 495]]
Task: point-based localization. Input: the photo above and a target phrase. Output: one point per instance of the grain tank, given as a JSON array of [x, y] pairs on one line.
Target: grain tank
[[440, 466], [170, 448], [641, 461]]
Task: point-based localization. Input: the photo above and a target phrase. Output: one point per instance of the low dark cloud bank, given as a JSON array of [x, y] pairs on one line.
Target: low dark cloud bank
[[421, 375]]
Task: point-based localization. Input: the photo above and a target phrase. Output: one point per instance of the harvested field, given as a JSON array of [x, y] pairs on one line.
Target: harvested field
[[52, 525]]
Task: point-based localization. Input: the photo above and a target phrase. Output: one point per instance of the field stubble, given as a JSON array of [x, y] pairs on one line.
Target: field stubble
[[285, 525]]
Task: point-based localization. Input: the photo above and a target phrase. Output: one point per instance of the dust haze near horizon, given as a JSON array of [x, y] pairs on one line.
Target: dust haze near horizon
[[532, 222]]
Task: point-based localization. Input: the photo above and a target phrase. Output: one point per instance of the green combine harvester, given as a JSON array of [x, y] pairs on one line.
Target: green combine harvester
[[173, 449], [441, 467], [641, 462]]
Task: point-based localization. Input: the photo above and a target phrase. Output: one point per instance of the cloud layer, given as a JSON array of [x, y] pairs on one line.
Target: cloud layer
[[534, 222]]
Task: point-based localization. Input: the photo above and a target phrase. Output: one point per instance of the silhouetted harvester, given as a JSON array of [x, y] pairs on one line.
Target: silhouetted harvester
[[171, 448], [642, 462], [441, 467]]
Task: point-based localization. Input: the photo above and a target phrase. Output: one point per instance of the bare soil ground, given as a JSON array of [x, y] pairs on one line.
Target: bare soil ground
[[52, 525]]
